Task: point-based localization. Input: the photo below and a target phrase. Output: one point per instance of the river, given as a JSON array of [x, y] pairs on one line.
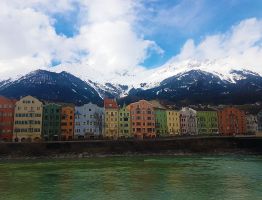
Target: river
[[135, 177]]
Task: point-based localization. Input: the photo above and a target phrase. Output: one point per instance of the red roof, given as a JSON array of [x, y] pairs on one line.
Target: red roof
[[110, 103]]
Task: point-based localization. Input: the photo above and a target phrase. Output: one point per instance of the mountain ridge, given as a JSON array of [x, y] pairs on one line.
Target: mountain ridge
[[187, 87]]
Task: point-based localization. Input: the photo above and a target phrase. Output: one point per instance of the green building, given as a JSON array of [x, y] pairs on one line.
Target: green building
[[207, 121], [161, 122], [124, 122], [51, 122]]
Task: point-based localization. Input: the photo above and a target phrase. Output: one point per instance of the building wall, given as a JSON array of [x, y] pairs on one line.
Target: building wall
[[161, 122], [124, 122], [7, 109], [111, 118], [207, 122], [232, 121], [259, 122], [173, 122], [89, 121], [51, 122], [67, 122], [251, 124], [111, 123], [142, 119], [188, 121], [28, 119]]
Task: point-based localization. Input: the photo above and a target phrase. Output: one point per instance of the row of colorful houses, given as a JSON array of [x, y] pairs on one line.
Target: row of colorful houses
[[30, 119]]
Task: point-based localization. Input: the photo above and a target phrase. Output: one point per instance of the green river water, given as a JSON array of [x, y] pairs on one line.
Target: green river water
[[142, 177]]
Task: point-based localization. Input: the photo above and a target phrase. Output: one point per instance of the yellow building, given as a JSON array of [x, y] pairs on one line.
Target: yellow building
[[28, 120], [173, 122], [111, 119]]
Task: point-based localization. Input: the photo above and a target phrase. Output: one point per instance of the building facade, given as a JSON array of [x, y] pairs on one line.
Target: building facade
[[28, 120], [7, 109], [251, 124], [161, 122], [259, 123], [231, 121], [124, 122], [143, 119], [188, 121], [111, 118], [89, 121], [51, 122], [173, 122], [207, 121], [67, 122]]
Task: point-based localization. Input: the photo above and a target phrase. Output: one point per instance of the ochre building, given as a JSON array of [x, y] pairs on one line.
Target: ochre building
[[111, 118], [28, 120], [173, 122]]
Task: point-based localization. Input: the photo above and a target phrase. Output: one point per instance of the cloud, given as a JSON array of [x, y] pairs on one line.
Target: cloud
[[240, 47], [107, 41], [184, 17]]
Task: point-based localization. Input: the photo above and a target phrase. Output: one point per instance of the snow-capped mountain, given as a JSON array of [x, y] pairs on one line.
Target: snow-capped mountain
[[187, 82], [58, 87], [197, 86], [218, 68]]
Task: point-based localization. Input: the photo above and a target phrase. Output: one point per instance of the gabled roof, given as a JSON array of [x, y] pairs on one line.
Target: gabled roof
[[8, 99], [110, 104]]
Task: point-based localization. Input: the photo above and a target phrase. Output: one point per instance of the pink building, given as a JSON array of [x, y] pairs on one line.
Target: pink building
[[142, 119]]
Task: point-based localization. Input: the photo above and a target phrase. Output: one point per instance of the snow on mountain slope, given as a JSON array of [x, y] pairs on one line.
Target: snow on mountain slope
[[120, 84], [45, 85], [218, 68]]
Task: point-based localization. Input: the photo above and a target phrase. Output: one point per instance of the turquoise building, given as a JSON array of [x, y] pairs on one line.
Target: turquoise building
[[161, 122], [51, 122], [207, 121], [124, 122]]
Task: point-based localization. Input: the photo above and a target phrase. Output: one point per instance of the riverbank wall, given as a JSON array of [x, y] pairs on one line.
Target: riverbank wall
[[180, 145]]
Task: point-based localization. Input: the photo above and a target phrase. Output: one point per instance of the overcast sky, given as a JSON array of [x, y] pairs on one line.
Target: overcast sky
[[117, 36]]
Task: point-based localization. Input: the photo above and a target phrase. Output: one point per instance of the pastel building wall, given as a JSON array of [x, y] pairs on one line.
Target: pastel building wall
[[232, 121], [259, 123], [124, 122], [7, 109], [161, 122], [67, 122], [207, 121], [51, 122], [111, 118], [89, 121], [173, 122], [28, 119], [251, 124], [188, 121], [143, 119]]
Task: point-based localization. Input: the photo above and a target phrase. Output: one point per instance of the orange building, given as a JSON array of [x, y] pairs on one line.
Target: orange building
[[7, 109], [142, 119], [231, 121], [67, 122]]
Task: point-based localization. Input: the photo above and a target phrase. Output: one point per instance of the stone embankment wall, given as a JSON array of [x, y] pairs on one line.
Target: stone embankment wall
[[194, 145]]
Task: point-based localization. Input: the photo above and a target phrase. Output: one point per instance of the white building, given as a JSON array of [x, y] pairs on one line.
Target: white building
[[188, 121], [251, 124], [89, 121]]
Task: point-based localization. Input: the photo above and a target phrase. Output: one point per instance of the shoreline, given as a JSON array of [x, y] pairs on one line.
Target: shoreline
[[251, 145], [126, 155]]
